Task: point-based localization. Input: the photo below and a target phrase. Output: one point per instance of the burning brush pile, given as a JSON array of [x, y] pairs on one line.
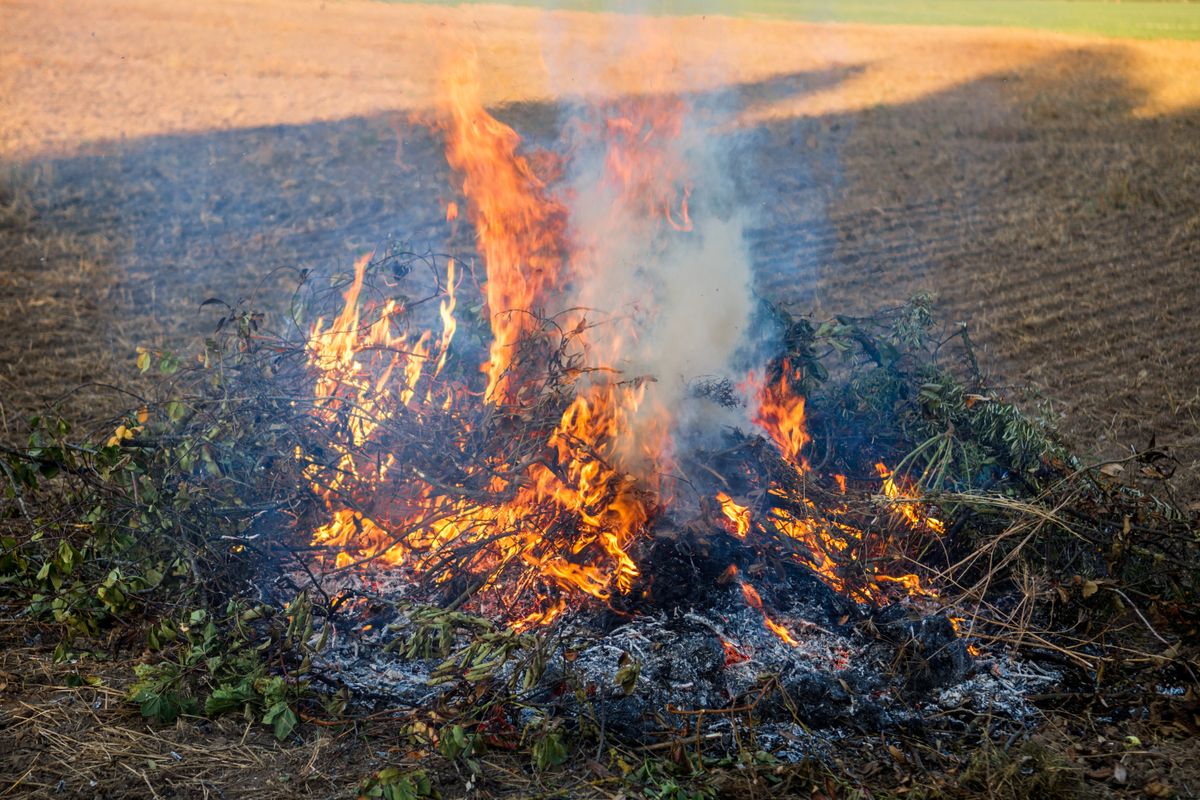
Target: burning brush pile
[[622, 414], [547, 499], [589, 466], [581, 472], [606, 467]]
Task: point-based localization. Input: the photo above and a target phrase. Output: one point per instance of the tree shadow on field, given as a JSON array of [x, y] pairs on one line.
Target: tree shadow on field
[[1065, 229]]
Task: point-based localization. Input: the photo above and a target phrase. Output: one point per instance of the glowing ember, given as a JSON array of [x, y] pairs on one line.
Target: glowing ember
[[754, 600], [733, 653]]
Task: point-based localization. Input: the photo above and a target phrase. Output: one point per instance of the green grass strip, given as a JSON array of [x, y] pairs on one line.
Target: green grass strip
[[1140, 19]]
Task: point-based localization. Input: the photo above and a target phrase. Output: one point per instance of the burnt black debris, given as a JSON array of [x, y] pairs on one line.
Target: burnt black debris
[[647, 676]]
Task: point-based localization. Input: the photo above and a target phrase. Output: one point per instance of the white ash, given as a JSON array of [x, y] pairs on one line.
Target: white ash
[[836, 678], [998, 686]]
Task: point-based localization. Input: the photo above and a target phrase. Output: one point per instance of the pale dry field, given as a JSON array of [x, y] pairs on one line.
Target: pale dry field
[[1045, 186]]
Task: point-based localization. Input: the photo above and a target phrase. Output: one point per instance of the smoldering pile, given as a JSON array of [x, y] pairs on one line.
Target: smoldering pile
[[667, 673]]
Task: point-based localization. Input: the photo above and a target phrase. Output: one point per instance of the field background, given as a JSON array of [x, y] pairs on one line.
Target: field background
[[1043, 184], [154, 154]]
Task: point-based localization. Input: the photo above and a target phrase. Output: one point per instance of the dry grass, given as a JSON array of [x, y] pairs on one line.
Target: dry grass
[[66, 731]]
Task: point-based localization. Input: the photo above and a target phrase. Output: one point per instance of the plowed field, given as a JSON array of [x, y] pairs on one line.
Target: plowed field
[[1044, 186]]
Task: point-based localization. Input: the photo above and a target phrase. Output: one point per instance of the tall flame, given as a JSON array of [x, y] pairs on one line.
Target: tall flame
[[521, 227]]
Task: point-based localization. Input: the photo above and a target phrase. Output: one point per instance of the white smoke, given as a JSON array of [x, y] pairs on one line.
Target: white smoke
[[676, 304]]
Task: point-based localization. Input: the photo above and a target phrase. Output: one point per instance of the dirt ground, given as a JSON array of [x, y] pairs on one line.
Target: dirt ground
[[1043, 185], [155, 154]]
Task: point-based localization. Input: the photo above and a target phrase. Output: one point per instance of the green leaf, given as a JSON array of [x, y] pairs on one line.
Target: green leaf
[[152, 577], [282, 720], [162, 708], [549, 751], [169, 364], [228, 698], [454, 742]]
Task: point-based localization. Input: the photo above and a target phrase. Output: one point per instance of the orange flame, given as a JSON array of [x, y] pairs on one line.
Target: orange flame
[[957, 624], [639, 160], [904, 502], [780, 413], [521, 228], [754, 600], [911, 584], [819, 540], [738, 515]]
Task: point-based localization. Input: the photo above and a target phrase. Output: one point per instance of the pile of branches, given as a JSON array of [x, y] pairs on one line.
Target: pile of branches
[[208, 491]]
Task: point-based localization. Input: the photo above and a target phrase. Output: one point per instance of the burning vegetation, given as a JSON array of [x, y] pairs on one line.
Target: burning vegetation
[[554, 468], [584, 474]]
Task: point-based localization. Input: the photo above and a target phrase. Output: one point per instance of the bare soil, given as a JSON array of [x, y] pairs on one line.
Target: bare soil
[[1044, 186], [155, 154]]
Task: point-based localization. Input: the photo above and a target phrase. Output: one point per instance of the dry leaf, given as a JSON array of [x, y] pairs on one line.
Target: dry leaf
[[1157, 788]]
